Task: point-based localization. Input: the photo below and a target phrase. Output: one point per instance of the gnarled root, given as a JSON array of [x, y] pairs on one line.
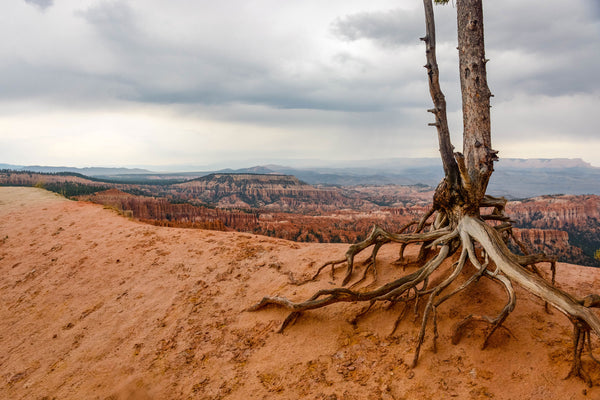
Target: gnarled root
[[326, 297], [377, 238], [491, 258], [578, 311], [495, 322], [580, 333]]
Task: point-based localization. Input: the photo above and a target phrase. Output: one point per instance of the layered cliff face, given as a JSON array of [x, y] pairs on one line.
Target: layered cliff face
[[552, 242], [282, 193], [556, 212], [341, 227], [542, 238], [578, 216], [162, 212], [9, 178]]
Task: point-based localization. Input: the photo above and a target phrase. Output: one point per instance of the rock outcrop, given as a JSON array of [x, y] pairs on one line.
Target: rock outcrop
[[552, 242], [25, 178], [578, 216], [162, 212], [556, 212], [282, 193]]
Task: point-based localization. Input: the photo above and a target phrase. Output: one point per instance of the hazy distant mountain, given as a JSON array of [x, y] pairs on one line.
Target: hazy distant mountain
[[534, 177], [88, 171], [10, 166], [555, 163], [513, 178]]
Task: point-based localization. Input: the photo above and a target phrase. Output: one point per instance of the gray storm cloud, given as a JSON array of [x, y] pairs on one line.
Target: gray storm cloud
[[41, 4], [353, 69]]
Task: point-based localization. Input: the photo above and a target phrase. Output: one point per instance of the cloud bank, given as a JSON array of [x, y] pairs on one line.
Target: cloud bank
[[154, 82]]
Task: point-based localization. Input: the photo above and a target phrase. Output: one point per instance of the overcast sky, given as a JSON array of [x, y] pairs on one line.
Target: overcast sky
[[241, 82]]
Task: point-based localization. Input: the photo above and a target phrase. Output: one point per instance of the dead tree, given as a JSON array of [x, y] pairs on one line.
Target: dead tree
[[462, 222]]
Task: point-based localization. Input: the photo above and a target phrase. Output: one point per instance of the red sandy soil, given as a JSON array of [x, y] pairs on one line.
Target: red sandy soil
[[96, 306]]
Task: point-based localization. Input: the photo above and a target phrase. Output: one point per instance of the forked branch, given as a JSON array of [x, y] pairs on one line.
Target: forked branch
[[439, 100]]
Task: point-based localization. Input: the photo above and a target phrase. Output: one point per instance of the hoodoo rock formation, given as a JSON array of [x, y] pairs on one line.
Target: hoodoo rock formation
[[268, 191], [162, 212], [577, 216], [544, 240], [556, 212]]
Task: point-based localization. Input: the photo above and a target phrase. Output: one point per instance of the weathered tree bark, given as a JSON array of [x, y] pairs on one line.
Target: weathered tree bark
[[457, 223], [439, 100], [478, 154], [467, 173]]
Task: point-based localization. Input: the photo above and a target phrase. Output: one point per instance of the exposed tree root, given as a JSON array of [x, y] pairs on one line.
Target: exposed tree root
[[495, 322], [493, 261], [458, 222], [508, 264], [377, 238]]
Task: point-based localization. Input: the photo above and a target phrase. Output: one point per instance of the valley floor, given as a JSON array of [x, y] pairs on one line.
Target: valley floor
[[96, 306]]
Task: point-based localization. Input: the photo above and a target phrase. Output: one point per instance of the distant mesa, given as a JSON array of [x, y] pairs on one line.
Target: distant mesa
[[513, 178], [250, 190], [554, 163], [249, 178], [89, 171]]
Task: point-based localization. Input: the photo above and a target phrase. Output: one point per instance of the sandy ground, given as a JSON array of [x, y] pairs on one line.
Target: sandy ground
[[96, 306]]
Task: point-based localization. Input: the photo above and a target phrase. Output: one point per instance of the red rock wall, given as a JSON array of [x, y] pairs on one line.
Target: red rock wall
[[160, 211]]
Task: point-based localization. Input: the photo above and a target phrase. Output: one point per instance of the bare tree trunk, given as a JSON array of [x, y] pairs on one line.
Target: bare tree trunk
[[477, 150]]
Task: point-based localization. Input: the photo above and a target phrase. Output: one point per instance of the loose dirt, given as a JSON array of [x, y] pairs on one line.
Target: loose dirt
[[96, 306]]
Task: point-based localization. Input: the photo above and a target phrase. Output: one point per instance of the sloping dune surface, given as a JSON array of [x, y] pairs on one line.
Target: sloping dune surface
[[96, 306]]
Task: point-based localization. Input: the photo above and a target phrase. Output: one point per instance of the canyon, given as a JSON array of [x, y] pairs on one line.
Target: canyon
[[282, 206], [578, 216], [283, 193]]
